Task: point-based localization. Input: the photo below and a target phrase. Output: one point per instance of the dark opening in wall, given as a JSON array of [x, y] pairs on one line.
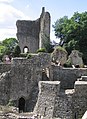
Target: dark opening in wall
[[26, 49], [21, 105]]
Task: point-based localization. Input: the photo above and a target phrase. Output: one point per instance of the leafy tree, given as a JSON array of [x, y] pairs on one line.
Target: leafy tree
[[2, 49], [73, 33], [9, 44], [7, 47]]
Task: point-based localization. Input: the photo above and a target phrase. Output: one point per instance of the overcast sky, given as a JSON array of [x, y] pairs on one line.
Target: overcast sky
[[13, 10]]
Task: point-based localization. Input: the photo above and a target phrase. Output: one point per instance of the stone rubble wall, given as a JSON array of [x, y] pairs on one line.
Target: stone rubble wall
[[70, 104], [80, 99], [66, 76], [4, 88], [28, 34], [4, 67], [44, 34], [46, 98], [63, 106], [22, 80]]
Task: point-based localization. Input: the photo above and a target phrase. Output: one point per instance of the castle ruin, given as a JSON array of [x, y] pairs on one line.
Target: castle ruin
[[32, 34], [38, 85]]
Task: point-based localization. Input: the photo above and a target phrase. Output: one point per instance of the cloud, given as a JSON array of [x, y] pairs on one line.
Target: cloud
[[8, 17], [10, 14], [6, 1], [7, 33]]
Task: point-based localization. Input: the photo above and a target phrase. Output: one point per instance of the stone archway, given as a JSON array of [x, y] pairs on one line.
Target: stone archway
[[25, 49], [21, 105]]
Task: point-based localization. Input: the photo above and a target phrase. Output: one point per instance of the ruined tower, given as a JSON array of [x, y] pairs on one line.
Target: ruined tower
[[32, 34]]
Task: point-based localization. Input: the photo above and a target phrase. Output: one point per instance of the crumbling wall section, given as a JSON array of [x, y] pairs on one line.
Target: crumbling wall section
[[28, 34], [44, 35], [22, 80], [46, 98], [63, 105], [80, 99], [33, 34], [66, 76]]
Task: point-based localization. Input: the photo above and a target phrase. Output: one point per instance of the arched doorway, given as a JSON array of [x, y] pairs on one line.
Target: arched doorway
[[21, 105], [25, 49]]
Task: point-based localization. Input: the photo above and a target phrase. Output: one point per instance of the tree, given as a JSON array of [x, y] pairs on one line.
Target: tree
[[73, 33], [9, 44], [7, 47]]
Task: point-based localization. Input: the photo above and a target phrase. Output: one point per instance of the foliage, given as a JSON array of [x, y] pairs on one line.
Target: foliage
[[41, 50], [47, 44], [17, 51], [29, 55], [10, 103], [1, 56], [72, 33], [68, 63], [23, 55], [60, 48], [9, 44], [2, 49]]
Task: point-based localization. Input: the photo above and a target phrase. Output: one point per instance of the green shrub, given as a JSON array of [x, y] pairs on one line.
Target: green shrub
[[60, 48], [17, 51], [68, 63], [23, 55], [41, 50], [10, 103], [29, 55], [1, 56]]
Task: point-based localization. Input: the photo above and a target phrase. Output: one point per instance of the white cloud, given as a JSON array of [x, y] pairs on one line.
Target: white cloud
[[9, 13], [7, 33], [8, 17], [6, 1]]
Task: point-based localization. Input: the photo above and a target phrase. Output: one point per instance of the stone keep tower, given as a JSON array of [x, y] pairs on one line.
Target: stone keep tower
[[32, 34]]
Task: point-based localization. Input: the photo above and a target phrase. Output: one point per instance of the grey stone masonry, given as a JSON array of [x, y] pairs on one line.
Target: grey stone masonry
[[46, 98], [80, 99], [4, 67], [21, 81], [83, 78], [66, 76], [33, 34]]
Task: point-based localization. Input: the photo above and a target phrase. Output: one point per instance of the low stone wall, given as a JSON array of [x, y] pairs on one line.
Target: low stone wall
[[40, 60], [4, 67], [66, 76]]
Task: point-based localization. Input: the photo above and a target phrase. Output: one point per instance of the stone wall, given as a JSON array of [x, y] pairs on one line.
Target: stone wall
[[80, 99], [67, 76], [30, 33], [22, 80], [4, 88], [52, 103], [46, 98], [4, 67], [44, 34], [63, 105]]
